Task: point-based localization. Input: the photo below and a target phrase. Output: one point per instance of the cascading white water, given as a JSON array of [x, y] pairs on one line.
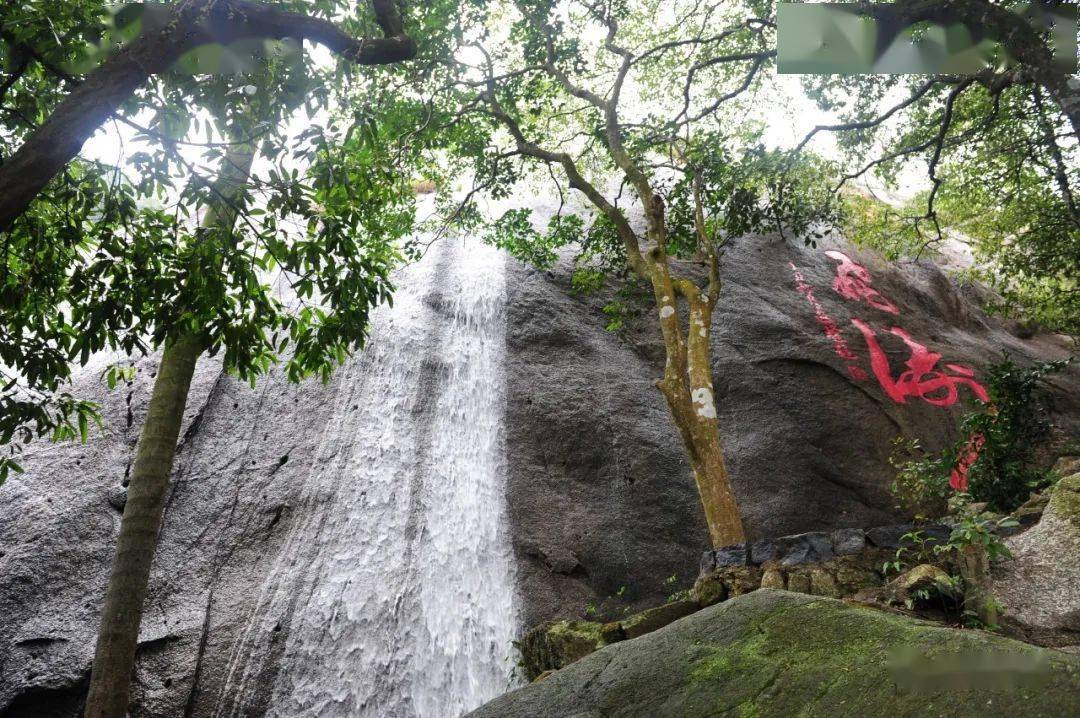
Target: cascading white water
[[396, 586]]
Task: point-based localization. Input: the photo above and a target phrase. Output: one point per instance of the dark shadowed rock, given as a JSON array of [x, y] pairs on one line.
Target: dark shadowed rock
[[807, 444], [778, 654], [888, 536], [811, 547], [848, 541], [762, 550]]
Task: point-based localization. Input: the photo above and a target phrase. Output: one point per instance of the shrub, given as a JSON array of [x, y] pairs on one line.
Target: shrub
[[1003, 475]]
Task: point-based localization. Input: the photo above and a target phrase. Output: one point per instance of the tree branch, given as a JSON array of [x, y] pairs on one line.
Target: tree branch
[[192, 23]]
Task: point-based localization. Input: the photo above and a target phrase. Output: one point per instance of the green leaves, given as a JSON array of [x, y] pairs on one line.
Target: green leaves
[[514, 232], [113, 258]]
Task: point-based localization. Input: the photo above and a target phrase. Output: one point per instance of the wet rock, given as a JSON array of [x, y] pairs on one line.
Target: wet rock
[[560, 560], [810, 547]]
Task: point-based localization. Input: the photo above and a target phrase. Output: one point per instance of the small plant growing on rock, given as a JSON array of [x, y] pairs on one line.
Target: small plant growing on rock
[[915, 548], [921, 487], [996, 458]]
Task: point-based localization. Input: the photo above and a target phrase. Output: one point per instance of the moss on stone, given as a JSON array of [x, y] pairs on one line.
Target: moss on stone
[[555, 644], [826, 656], [1065, 500], [773, 654]]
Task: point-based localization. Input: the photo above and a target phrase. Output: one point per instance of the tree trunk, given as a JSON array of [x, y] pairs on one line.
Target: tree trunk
[[114, 656], [120, 617], [688, 388], [687, 384], [975, 570]]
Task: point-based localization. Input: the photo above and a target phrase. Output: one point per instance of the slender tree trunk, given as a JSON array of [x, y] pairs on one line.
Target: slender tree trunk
[[978, 595], [149, 484], [114, 656], [687, 384]]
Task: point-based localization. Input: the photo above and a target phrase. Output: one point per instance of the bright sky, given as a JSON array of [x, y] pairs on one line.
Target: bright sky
[[787, 120]]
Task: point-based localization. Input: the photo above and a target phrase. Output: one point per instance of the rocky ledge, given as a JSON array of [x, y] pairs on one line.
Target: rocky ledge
[[1038, 587], [777, 653]]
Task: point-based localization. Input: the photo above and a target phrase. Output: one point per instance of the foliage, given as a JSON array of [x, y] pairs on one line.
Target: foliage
[[915, 548], [1003, 476], [1004, 169], [921, 486], [874, 223], [112, 256], [978, 529]]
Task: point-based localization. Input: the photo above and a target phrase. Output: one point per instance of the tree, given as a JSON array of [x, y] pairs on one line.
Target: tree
[[1000, 154], [187, 26], [552, 79], [114, 656], [48, 108], [117, 257]]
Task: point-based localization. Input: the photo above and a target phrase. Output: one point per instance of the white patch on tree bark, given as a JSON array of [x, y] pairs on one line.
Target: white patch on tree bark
[[666, 311], [703, 403]]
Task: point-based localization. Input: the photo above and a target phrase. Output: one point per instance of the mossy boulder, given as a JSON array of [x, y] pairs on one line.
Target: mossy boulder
[[924, 580], [1065, 500], [555, 644], [1040, 586], [655, 618], [775, 653]]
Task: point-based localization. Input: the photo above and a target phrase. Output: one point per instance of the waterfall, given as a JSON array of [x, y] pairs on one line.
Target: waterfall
[[393, 594]]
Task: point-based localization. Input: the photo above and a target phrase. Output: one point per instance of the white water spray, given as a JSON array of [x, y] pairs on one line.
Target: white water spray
[[395, 586]]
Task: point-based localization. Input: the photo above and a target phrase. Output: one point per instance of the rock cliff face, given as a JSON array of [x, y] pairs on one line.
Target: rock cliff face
[[600, 494], [598, 488], [774, 653]]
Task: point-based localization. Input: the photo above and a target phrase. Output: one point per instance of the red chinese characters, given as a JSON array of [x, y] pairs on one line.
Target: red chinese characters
[[853, 282], [832, 331], [958, 478], [922, 379]]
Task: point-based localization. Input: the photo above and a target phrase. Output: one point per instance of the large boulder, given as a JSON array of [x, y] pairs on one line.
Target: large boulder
[[601, 499], [1040, 586], [774, 653]]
